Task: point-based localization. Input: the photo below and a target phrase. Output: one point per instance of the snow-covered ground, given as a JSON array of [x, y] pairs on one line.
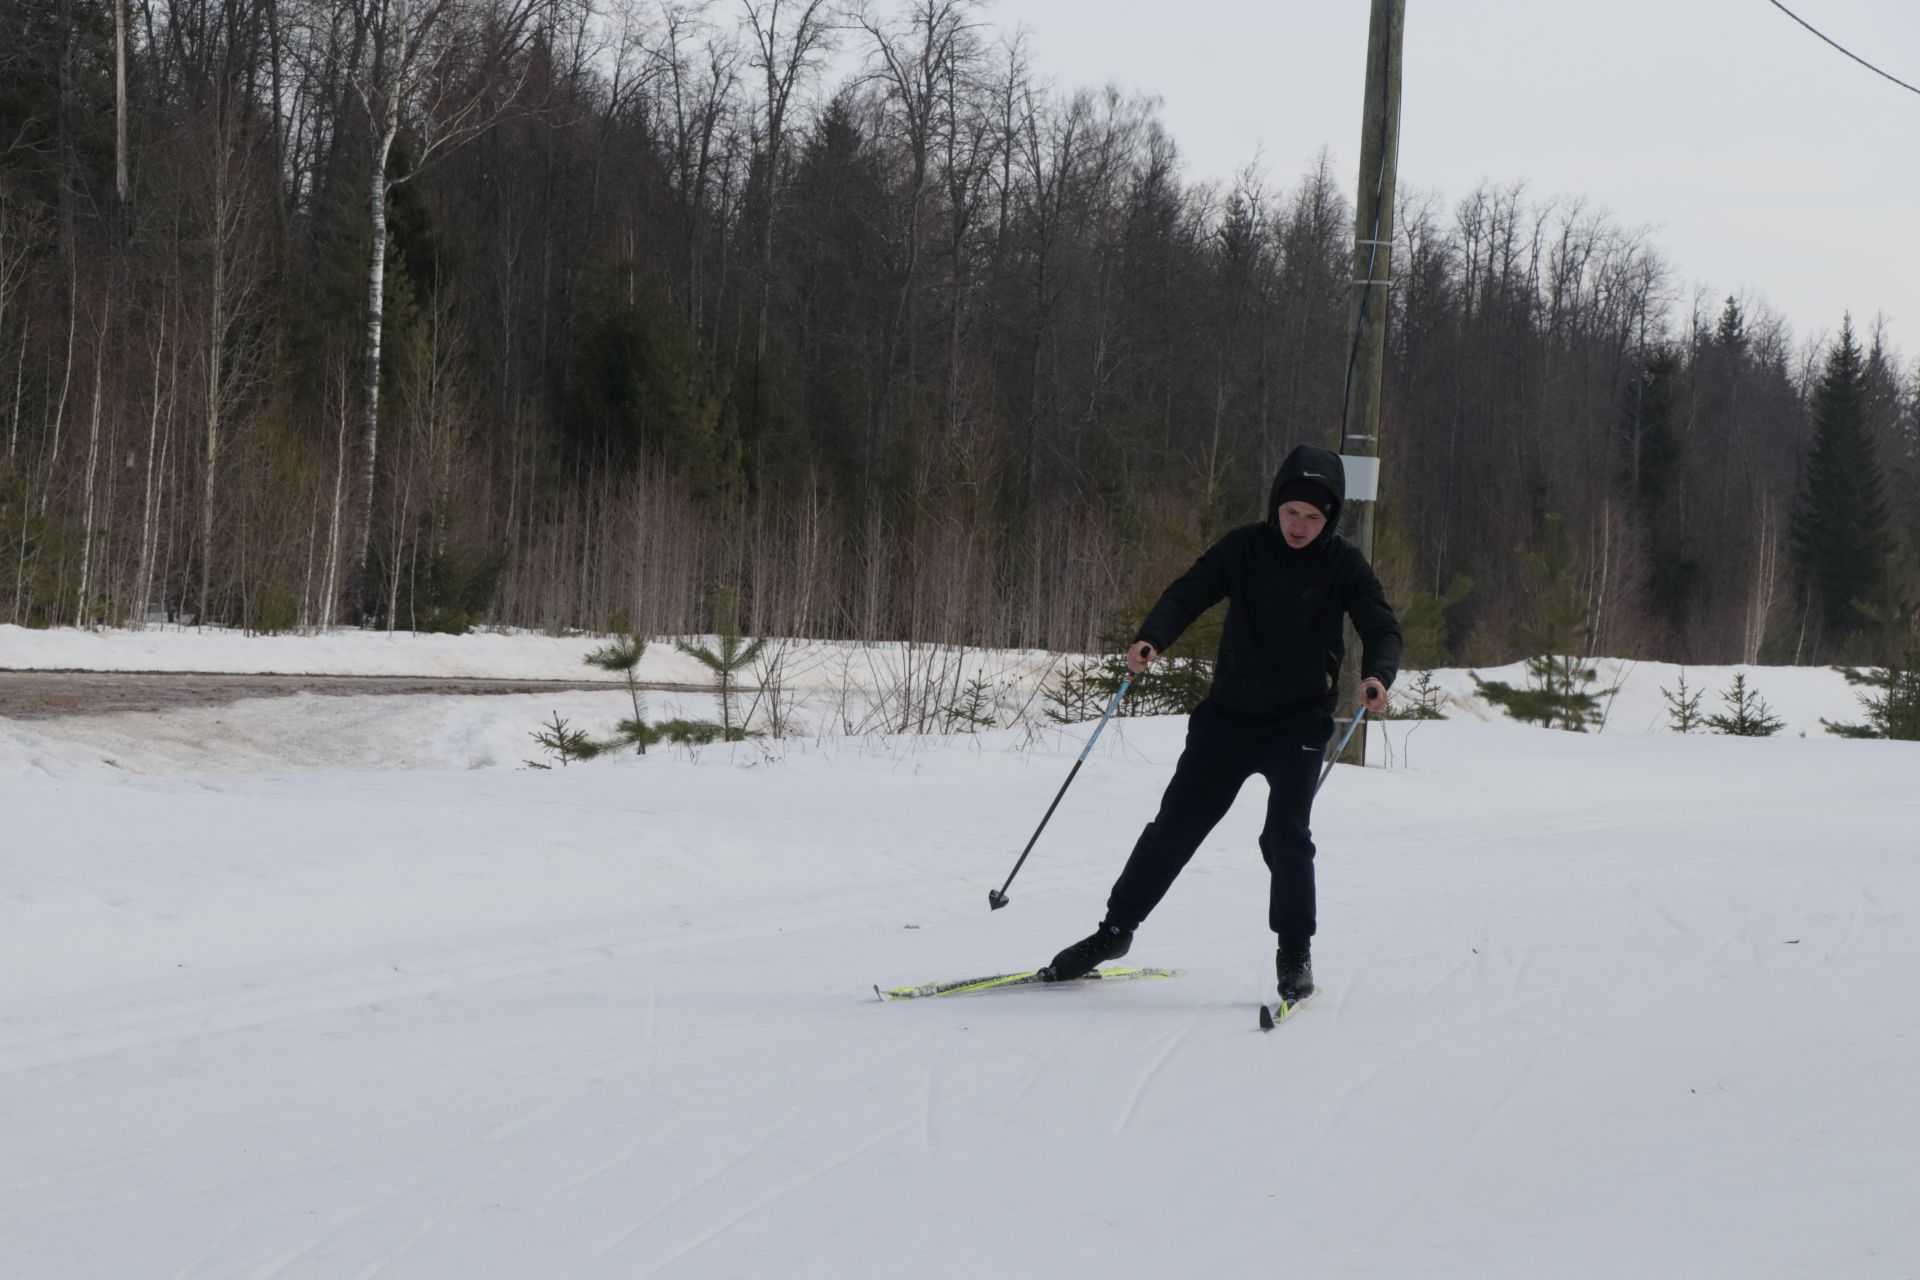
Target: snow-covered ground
[[294, 990]]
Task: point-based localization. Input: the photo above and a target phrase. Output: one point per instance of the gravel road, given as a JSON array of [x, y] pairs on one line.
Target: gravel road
[[46, 695]]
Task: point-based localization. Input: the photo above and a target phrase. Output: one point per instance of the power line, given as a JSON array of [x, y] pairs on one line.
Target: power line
[[1836, 44]]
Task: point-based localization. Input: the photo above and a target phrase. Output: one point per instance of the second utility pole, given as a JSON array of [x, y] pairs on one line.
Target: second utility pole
[[1367, 296]]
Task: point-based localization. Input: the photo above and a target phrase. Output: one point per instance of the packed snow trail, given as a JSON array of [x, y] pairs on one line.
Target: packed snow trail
[[1630, 1004]]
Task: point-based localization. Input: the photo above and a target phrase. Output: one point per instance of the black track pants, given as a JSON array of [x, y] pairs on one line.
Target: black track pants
[[1221, 754]]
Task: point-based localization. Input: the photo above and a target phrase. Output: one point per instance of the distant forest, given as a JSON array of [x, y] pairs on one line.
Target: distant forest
[[449, 313]]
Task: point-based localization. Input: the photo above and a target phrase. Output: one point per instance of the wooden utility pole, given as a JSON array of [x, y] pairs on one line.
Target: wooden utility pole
[[1367, 296]]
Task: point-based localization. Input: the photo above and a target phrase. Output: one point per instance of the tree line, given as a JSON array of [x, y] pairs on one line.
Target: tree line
[[438, 313]]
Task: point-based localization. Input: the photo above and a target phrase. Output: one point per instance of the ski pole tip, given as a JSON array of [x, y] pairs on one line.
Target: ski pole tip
[[996, 899]]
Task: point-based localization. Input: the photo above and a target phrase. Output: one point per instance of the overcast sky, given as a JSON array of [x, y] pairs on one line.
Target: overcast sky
[[1763, 159]]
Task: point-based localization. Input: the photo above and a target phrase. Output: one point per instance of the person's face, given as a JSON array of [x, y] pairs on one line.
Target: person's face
[[1300, 523]]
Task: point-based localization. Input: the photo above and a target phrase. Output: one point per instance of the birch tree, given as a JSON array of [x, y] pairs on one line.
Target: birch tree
[[698, 94], [229, 213], [785, 56], [417, 65], [917, 63]]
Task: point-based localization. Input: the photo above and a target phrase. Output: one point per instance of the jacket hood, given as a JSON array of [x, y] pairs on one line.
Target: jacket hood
[[1323, 467]]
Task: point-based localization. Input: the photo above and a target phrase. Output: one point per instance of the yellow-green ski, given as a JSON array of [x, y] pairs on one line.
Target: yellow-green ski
[[1273, 1015], [1001, 981]]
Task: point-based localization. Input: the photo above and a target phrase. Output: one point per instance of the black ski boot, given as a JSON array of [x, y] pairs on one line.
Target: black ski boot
[[1294, 964], [1108, 942]]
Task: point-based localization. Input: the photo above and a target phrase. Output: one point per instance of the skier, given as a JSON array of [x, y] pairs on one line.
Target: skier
[[1270, 710]]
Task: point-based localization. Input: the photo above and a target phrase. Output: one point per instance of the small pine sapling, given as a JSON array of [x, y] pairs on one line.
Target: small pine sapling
[[972, 711], [1893, 708], [1423, 625], [1420, 700], [689, 733], [1173, 686], [1683, 707], [1077, 696], [1560, 688], [624, 655], [727, 658], [1170, 687], [1892, 702], [1747, 714], [565, 744]]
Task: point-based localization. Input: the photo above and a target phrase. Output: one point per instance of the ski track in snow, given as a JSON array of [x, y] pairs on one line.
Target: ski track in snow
[[616, 1021], [1165, 1049]]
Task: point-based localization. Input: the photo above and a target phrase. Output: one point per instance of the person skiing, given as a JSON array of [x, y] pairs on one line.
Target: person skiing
[[1287, 581]]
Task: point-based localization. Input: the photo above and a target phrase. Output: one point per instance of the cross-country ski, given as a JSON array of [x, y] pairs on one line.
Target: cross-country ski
[[1016, 981]]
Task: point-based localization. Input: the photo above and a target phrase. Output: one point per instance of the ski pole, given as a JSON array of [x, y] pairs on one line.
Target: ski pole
[[1334, 759], [997, 898]]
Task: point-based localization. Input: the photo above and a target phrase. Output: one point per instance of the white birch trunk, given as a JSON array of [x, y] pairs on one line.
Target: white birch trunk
[[370, 373], [1765, 585], [19, 391]]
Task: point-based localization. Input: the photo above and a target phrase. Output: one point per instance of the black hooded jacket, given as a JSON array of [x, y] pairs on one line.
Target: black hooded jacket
[[1282, 646]]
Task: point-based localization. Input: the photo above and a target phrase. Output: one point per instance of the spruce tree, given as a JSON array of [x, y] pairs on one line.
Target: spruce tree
[[1747, 714], [1560, 690], [1683, 707], [1906, 465], [1080, 694], [1841, 534], [1892, 700], [1730, 334], [1655, 424], [972, 710], [1172, 686], [1417, 698], [1423, 626]]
